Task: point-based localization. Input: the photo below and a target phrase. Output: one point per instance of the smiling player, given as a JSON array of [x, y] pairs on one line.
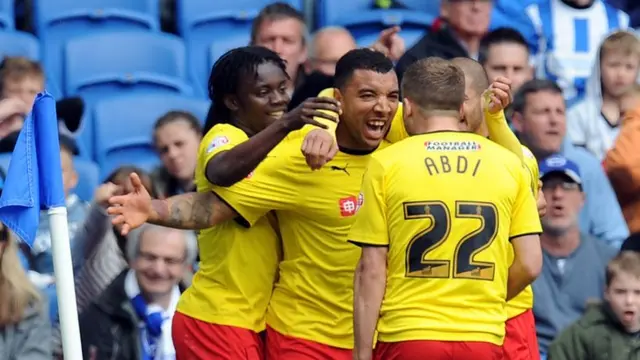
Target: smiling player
[[220, 315], [310, 313]]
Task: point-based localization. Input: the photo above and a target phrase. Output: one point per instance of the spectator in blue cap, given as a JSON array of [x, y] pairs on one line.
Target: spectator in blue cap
[[572, 261]]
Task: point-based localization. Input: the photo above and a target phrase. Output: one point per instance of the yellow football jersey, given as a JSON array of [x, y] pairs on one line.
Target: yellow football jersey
[[446, 204], [223, 290], [524, 301], [313, 297]]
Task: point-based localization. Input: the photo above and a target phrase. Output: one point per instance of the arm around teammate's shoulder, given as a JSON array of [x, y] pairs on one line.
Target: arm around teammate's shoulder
[[233, 165]]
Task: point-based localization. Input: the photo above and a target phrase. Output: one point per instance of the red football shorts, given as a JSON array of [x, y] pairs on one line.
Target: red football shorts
[[520, 341], [195, 339], [437, 350], [282, 347]]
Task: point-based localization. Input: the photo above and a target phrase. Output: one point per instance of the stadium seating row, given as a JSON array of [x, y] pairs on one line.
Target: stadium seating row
[[208, 28]]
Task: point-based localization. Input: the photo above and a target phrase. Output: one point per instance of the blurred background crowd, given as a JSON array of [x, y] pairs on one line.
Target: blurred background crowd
[[131, 76]]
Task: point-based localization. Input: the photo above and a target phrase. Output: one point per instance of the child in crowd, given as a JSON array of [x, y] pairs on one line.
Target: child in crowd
[[594, 122], [20, 81], [608, 330]]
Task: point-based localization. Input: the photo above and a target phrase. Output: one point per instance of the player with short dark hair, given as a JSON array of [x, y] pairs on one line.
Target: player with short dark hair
[[222, 313], [310, 315], [434, 273]]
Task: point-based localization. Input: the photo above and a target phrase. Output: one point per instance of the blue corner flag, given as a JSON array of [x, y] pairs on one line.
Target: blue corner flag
[[34, 178]]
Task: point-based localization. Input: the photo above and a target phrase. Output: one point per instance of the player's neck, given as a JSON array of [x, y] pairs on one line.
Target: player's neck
[[244, 126], [433, 124], [483, 130], [560, 244]]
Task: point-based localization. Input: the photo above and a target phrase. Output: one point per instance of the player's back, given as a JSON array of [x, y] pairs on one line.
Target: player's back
[[449, 199]]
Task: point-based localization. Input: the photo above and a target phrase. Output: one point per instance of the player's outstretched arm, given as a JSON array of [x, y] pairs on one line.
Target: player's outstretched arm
[[229, 167], [186, 211], [527, 263], [369, 288], [495, 99]]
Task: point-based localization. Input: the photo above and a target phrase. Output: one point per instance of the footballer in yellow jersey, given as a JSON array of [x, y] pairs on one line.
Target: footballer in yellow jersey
[[223, 311], [440, 213], [310, 314]]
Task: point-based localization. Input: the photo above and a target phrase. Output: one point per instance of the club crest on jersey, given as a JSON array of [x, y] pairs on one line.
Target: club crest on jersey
[[451, 146], [350, 205], [217, 142]]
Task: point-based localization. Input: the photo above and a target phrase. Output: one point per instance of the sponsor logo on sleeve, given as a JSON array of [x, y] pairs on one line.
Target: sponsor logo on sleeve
[[217, 142], [452, 146]]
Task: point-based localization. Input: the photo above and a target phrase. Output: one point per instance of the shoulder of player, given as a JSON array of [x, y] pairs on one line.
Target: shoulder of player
[[227, 131]]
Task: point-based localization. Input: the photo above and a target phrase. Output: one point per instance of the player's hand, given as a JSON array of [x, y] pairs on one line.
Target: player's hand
[[321, 107], [390, 43], [104, 192], [498, 96], [133, 209], [542, 203], [319, 147]]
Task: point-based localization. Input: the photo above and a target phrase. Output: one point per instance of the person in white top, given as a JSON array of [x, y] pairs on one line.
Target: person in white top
[[594, 122]]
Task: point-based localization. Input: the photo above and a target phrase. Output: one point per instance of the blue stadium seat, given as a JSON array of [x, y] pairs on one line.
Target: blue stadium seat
[[200, 22], [221, 46], [430, 6], [365, 22], [105, 64], [57, 21], [6, 15], [18, 43], [126, 135], [87, 175], [410, 37]]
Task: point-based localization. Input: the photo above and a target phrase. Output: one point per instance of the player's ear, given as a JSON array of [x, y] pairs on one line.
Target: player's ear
[[407, 108], [464, 125], [337, 94], [231, 102]]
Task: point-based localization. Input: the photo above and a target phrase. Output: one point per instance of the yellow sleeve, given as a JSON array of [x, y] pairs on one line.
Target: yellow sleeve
[[331, 126], [272, 186], [531, 164], [397, 131], [221, 137], [370, 226], [500, 132], [524, 212]]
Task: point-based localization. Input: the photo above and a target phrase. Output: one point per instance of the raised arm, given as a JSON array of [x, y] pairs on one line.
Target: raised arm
[[495, 100], [229, 167]]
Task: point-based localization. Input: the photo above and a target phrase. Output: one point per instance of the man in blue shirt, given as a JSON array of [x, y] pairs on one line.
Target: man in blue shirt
[[539, 119]]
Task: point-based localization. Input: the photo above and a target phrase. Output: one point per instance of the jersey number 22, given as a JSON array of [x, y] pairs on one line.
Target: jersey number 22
[[463, 263]]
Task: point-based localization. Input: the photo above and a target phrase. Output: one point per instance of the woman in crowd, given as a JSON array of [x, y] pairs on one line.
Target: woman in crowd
[[176, 137], [25, 331]]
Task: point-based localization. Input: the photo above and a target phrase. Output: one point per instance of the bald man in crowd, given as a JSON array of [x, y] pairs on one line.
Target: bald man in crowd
[[327, 46]]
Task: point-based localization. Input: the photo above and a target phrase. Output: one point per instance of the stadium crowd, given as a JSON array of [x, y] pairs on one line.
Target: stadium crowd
[[218, 266]]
